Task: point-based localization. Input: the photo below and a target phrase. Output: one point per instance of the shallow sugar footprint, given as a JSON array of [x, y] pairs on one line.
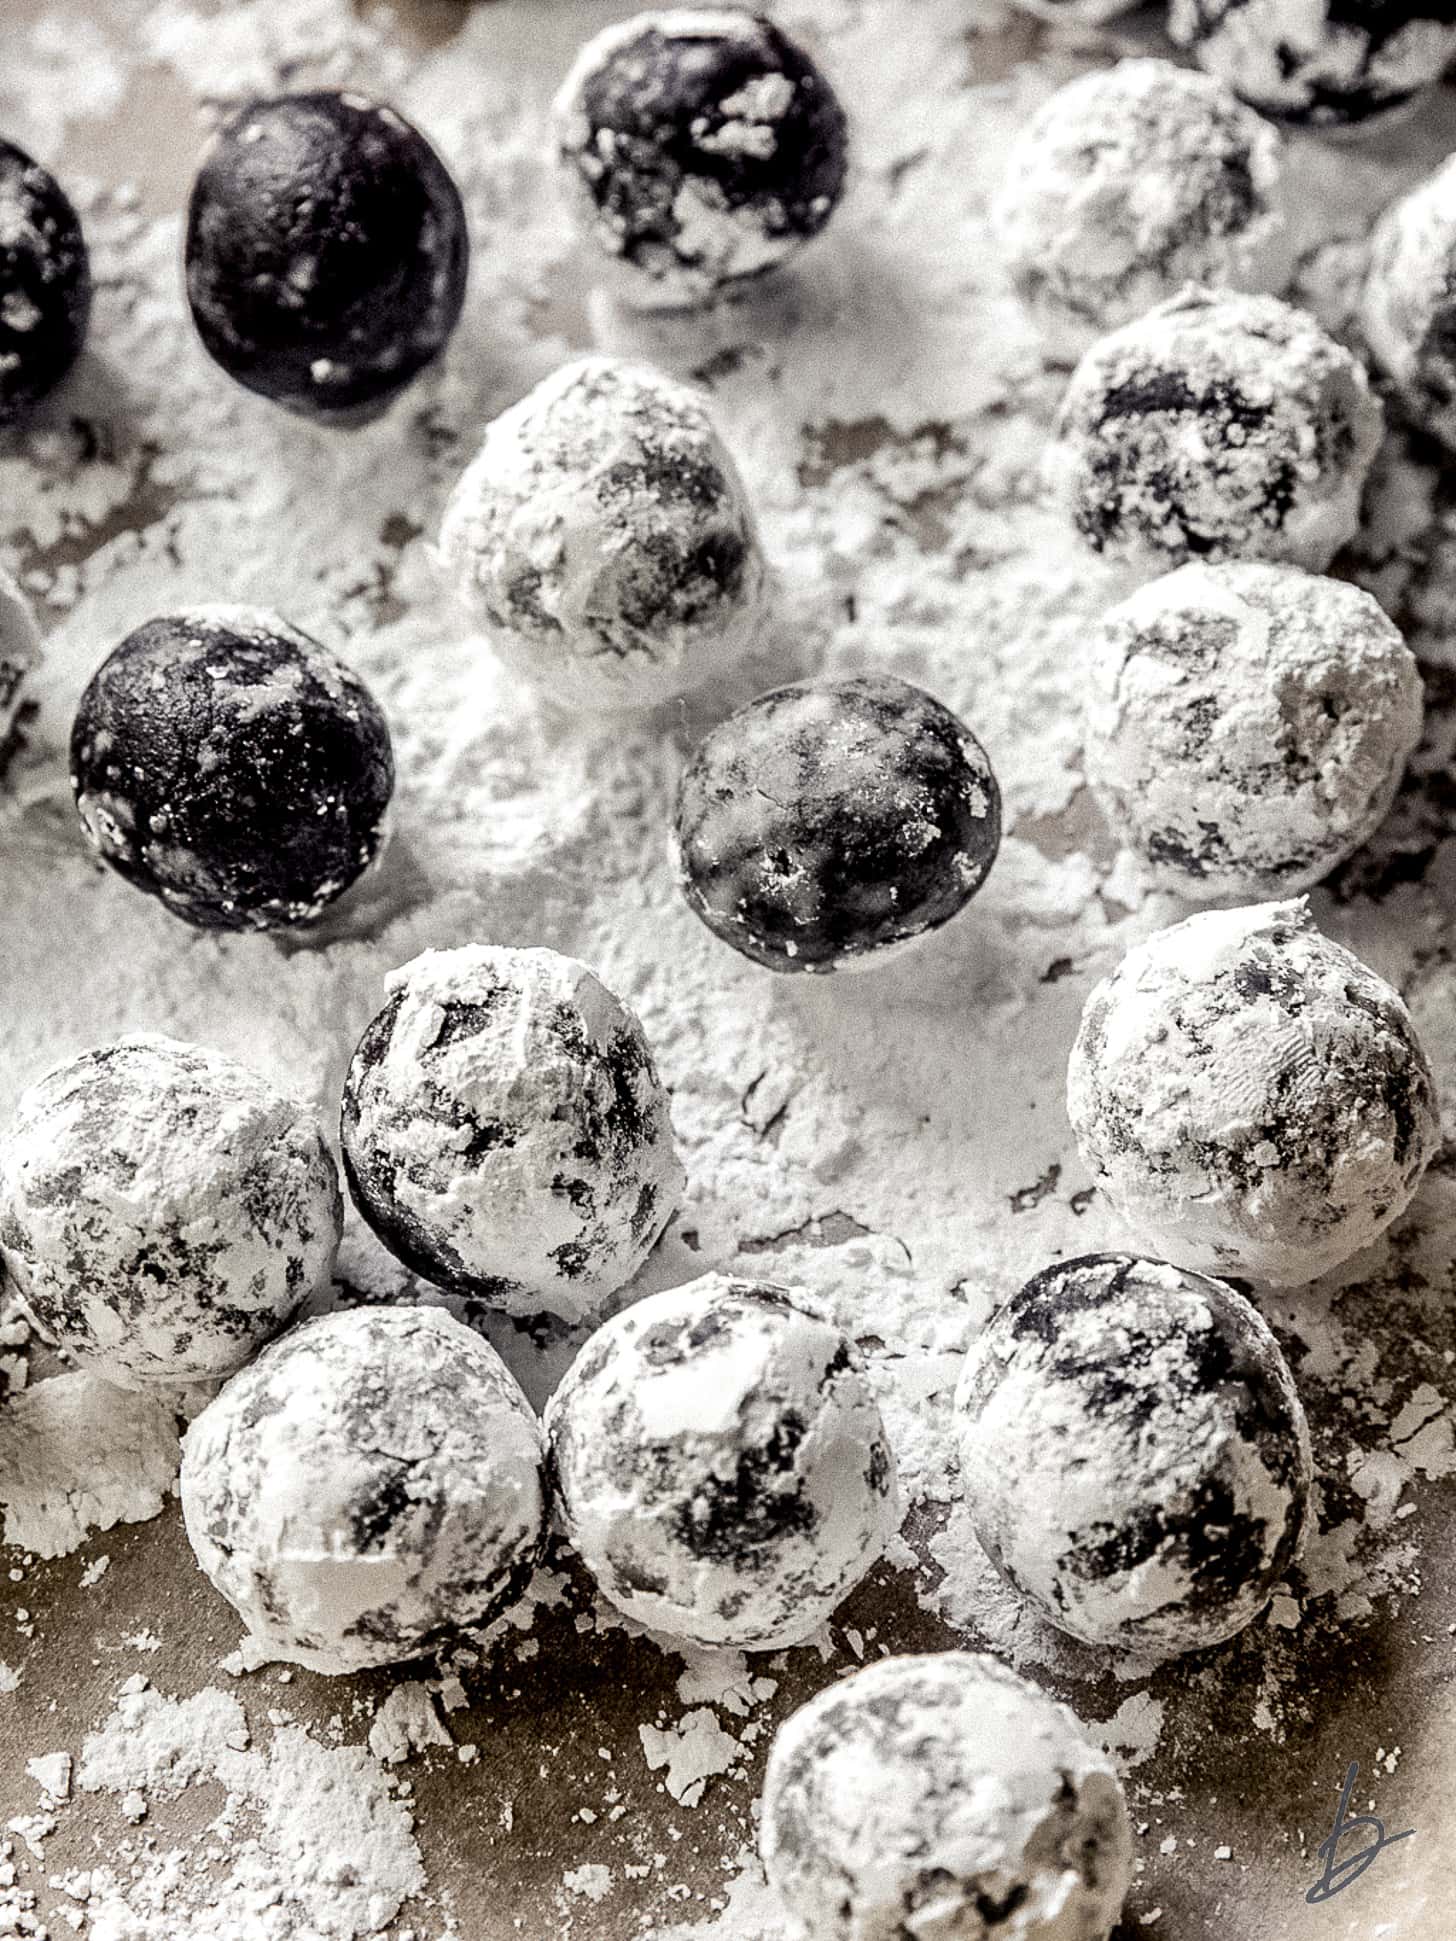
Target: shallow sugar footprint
[[894, 1143]]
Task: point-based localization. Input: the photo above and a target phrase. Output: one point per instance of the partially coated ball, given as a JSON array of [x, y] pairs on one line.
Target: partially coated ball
[[1216, 427], [1408, 306], [371, 1486], [604, 540], [1134, 1454], [943, 1796], [232, 767], [164, 1211], [701, 148], [505, 1131], [45, 284], [827, 822], [721, 1466], [1252, 1099], [326, 252]]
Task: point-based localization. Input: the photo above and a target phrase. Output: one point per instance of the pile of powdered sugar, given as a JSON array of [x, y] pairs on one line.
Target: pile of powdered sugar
[[895, 1143]]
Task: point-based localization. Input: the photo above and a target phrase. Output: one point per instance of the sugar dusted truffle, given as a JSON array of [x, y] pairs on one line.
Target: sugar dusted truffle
[[1216, 427], [164, 1211], [45, 284], [232, 767], [700, 147], [326, 253], [19, 655], [1252, 1099], [1408, 311], [721, 1464], [369, 1486], [1134, 1454], [827, 822], [1129, 183], [505, 1132], [943, 1796], [603, 538], [1332, 65], [1247, 726]]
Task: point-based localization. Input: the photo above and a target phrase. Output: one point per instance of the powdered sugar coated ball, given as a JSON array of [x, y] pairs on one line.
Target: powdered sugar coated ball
[[943, 1796], [1408, 310], [19, 656], [1247, 726], [1251, 1097], [1219, 427], [721, 1464], [604, 540], [505, 1132], [1334, 65], [1134, 1453], [700, 148], [369, 1486], [164, 1211], [1127, 184]]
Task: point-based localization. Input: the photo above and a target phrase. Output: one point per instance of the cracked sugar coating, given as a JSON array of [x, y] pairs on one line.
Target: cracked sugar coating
[[1134, 1453], [1251, 1098], [604, 540], [1333, 65], [1247, 726], [829, 821], [370, 1485], [721, 1465], [19, 656], [1131, 182], [326, 253], [164, 1211], [45, 284], [1217, 426], [232, 767], [1408, 309], [943, 1796], [701, 147], [505, 1132]]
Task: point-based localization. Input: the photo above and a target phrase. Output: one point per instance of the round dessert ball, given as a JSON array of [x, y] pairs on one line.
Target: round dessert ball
[[700, 147], [1333, 65], [1216, 427], [164, 1211], [505, 1131], [1247, 726], [1134, 1454], [829, 821], [1251, 1098], [19, 656], [230, 766], [1131, 182], [326, 253], [45, 284], [720, 1464], [371, 1485], [943, 1796], [603, 538], [1408, 309]]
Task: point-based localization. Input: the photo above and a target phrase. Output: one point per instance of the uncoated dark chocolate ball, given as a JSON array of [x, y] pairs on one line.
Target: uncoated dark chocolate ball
[[326, 253], [701, 147], [232, 767], [830, 820], [45, 284]]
